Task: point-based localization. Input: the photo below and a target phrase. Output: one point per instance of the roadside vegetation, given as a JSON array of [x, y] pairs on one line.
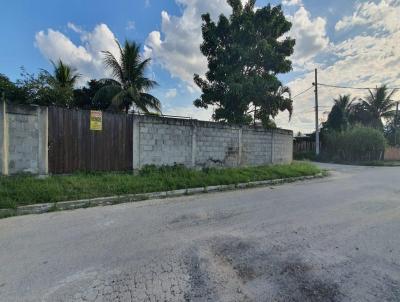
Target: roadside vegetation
[[26, 189], [358, 131], [356, 144]]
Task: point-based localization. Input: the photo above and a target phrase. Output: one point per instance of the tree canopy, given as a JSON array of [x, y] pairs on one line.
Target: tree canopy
[[130, 86], [379, 104], [245, 52], [341, 113]]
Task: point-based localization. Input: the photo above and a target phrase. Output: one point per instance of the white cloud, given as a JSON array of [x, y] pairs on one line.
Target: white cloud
[[292, 2], [87, 57], [365, 60], [383, 15], [177, 47], [171, 93], [75, 28], [130, 25], [310, 35], [189, 111]]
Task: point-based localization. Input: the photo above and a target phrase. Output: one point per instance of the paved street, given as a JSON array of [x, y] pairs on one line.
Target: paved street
[[332, 239]]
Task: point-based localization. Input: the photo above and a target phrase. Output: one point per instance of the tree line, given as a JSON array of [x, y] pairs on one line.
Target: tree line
[[128, 89], [376, 110], [245, 52]]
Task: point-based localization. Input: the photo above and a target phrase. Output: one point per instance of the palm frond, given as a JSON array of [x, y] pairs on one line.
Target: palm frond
[[63, 76], [113, 64], [151, 101]]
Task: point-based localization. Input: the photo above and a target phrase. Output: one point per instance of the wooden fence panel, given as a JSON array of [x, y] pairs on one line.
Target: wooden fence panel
[[303, 146], [74, 147]]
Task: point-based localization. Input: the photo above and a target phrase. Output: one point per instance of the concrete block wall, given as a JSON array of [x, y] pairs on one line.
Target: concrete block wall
[[164, 142], [257, 147], [3, 139], [282, 146], [168, 141], [156, 140], [23, 139], [216, 145]]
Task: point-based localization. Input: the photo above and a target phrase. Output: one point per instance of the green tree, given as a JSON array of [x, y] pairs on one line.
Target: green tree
[[341, 113], [84, 97], [62, 83], [269, 106], [11, 91], [36, 88], [130, 86], [359, 115], [392, 131], [379, 105], [245, 52]]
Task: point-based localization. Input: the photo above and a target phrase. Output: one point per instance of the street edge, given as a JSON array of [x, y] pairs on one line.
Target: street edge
[[112, 200]]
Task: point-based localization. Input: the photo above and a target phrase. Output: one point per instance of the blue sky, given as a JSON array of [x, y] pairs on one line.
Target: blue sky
[[351, 42]]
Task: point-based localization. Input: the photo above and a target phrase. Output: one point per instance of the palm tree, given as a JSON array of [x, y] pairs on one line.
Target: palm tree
[[379, 105], [341, 112], [64, 76], [130, 85], [61, 83]]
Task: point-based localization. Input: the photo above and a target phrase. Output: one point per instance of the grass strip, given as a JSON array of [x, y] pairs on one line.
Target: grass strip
[[27, 189]]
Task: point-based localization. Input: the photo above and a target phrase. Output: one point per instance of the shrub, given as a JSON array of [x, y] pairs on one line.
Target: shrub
[[304, 155], [355, 144]]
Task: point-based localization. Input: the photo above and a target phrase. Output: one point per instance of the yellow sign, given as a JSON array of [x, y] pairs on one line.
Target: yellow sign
[[96, 120]]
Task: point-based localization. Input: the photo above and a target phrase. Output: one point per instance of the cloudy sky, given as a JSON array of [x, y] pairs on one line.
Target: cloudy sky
[[352, 43]]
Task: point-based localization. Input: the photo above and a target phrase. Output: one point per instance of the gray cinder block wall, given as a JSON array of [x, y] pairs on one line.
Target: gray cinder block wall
[[156, 140], [167, 141], [23, 139]]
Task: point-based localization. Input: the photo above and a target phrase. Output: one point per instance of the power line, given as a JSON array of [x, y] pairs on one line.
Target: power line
[[308, 110], [349, 87], [304, 91]]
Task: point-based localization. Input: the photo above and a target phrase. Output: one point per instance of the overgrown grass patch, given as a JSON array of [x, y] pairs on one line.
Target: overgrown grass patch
[[24, 189]]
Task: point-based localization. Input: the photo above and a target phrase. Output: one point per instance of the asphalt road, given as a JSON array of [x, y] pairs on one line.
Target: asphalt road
[[332, 239]]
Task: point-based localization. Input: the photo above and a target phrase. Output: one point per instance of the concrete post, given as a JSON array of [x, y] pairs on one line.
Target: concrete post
[[194, 144], [240, 147], [3, 138], [136, 144], [272, 145], [43, 136]]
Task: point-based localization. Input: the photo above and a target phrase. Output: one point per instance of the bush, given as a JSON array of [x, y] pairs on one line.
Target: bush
[[355, 144], [304, 155]]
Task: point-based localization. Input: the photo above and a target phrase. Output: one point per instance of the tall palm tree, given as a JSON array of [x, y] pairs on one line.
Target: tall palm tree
[[61, 83], [340, 115], [130, 86], [379, 104]]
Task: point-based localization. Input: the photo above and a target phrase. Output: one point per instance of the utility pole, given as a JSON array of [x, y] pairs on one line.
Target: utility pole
[[396, 125], [316, 114]]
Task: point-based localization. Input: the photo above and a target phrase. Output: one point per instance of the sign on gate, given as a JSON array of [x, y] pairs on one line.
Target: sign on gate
[[96, 120]]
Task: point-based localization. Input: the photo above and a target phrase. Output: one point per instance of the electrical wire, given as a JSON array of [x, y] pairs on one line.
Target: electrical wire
[[349, 87], [304, 91], [308, 111]]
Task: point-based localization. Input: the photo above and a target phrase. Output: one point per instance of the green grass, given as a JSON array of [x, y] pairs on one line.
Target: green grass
[[24, 189]]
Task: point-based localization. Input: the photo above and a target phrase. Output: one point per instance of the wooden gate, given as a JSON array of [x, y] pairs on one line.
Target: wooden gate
[[74, 147]]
